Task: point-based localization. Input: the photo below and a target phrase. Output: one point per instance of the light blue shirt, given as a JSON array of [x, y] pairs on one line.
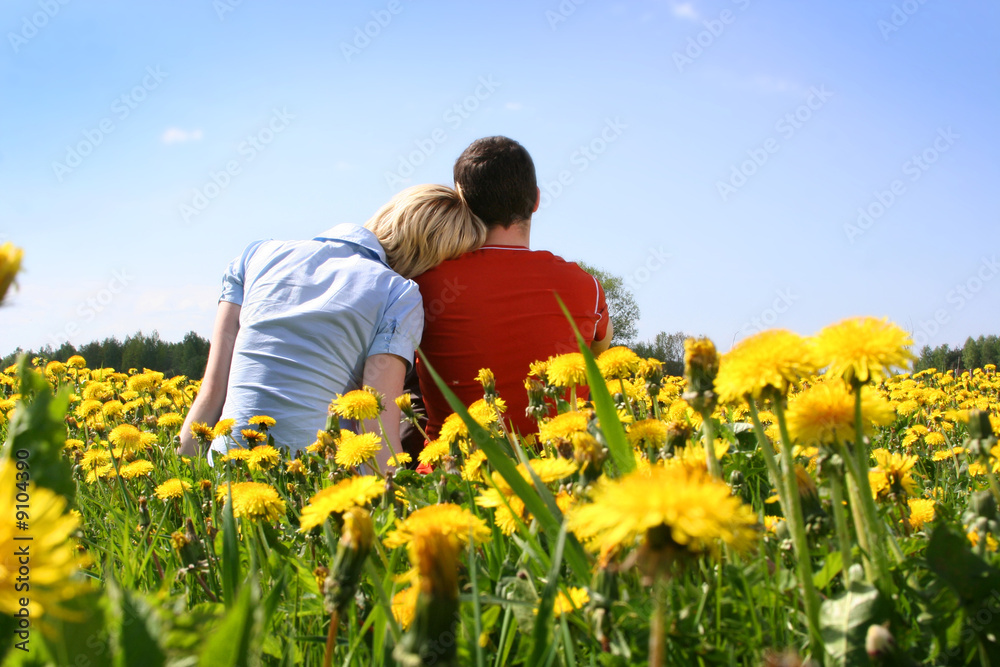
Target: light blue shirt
[[311, 313]]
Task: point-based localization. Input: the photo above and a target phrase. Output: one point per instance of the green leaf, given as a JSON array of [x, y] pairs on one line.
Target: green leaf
[[229, 643], [611, 426], [844, 622], [950, 557], [230, 566], [546, 604], [39, 428], [831, 568], [139, 639]]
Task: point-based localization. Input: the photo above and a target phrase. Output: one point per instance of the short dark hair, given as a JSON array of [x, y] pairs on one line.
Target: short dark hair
[[497, 179]]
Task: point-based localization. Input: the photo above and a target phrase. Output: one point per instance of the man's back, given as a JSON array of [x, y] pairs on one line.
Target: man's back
[[495, 308]]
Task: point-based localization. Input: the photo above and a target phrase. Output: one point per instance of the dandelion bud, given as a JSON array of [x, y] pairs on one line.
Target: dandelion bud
[[536, 398], [144, 519], [879, 643], [701, 365], [355, 543], [405, 405], [435, 555], [485, 378], [178, 540], [10, 264]]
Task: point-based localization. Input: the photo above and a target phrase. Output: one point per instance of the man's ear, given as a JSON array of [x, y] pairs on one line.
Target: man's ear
[[538, 200]]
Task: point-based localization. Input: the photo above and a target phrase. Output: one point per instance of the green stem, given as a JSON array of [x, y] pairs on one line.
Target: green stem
[[708, 429], [840, 521], [770, 460], [796, 528]]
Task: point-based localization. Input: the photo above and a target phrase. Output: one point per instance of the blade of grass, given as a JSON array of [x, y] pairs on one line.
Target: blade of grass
[[533, 502], [614, 434]]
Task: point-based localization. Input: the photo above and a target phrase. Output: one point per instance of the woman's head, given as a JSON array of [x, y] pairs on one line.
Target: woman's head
[[423, 226]]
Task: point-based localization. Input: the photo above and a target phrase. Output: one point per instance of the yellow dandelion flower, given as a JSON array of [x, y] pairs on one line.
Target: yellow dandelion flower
[[404, 605], [262, 457], [680, 508], [647, 433], [472, 468], [453, 429], [907, 407], [358, 404], [95, 457], [169, 420], [921, 512], [54, 559], [252, 436], [564, 427], [222, 428], [202, 432], [935, 439], [295, 467], [774, 359], [564, 604], [76, 361], [400, 459], [896, 470], [863, 349], [236, 454], [88, 408], [253, 500], [567, 370], [337, 499], [433, 452], [137, 469], [353, 450], [618, 362], [128, 437], [73, 444], [448, 519], [824, 413], [947, 454], [172, 488], [991, 542], [263, 421]]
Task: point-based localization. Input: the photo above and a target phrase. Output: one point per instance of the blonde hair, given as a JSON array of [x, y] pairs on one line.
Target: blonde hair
[[423, 226]]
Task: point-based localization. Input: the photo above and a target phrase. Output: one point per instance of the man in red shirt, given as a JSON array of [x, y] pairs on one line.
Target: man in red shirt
[[496, 307]]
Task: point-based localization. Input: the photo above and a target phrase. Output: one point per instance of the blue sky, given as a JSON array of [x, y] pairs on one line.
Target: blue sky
[[742, 164]]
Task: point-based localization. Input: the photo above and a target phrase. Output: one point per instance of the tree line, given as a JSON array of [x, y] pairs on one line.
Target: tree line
[[188, 357]]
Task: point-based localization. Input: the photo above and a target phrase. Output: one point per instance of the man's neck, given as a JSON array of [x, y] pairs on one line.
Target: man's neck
[[517, 234]]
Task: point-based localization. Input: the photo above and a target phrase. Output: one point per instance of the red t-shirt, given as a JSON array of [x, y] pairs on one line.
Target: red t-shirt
[[495, 308]]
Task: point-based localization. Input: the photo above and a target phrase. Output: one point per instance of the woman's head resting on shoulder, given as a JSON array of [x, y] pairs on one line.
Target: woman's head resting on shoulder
[[425, 225]]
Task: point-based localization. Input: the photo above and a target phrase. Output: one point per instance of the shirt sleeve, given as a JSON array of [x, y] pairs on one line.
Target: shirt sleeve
[[603, 317], [402, 325], [232, 280]]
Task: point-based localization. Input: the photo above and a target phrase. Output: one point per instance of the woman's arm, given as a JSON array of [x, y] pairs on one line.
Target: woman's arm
[[207, 407], [385, 374]]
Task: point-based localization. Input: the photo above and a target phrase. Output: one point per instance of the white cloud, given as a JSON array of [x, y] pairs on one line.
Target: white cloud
[[513, 106], [175, 135], [685, 10]]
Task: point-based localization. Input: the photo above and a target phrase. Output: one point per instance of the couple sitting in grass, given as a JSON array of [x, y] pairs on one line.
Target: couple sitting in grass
[[447, 270]]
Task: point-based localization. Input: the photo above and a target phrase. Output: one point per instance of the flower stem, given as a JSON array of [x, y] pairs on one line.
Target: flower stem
[[796, 528], [708, 430]]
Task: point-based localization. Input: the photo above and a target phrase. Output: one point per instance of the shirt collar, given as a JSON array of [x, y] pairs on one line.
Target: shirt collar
[[355, 235]]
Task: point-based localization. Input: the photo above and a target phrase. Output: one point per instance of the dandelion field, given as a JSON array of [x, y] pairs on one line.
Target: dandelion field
[[794, 501]]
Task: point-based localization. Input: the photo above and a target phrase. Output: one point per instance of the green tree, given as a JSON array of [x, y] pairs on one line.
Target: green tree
[[971, 354], [668, 348], [621, 304]]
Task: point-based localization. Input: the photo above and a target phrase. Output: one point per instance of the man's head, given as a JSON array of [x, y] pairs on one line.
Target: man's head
[[497, 178]]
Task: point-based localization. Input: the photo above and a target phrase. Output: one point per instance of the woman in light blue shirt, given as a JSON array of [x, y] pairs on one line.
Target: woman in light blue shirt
[[301, 321]]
